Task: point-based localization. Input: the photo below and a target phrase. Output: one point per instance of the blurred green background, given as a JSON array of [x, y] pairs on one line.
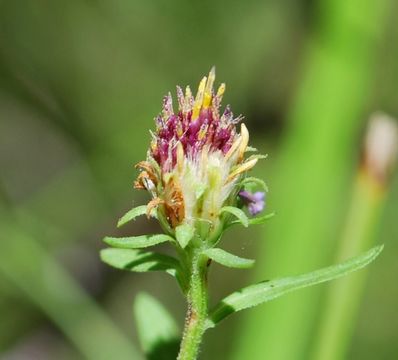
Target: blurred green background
[[80, 84]]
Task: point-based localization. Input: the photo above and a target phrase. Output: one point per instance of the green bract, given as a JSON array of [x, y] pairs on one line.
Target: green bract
[[238, 213], [184, 234]]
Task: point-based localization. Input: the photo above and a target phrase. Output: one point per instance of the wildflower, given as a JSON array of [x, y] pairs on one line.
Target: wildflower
[[196, 158], [195, 171], [254, 202]]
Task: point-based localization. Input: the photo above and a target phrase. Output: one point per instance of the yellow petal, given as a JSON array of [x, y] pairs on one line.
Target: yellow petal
[[209, 88], [221, 90], [244, 133], [180, 157], [233, 148], [241, 169], [199, 98]]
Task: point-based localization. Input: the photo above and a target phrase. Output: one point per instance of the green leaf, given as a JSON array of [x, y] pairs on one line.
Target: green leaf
[[268, 290], [256, 156], [157, 331], [250, 149], [238, 213], [138, 260], [258, 220], [261, 219], [256, 181], [184, 234], [227, 259], [132, 214], [137, 242]]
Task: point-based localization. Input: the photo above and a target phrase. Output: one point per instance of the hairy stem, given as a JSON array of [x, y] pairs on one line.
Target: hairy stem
[[197, 309]]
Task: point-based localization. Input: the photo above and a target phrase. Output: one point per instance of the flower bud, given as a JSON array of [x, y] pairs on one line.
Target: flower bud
[[254, 202], [196, 158], [381, 147]]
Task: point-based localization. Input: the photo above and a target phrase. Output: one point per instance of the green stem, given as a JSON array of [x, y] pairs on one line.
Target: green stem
[[197, 309]]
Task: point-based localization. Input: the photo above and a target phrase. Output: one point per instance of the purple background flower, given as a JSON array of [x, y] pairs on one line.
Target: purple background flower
[[254, 202]]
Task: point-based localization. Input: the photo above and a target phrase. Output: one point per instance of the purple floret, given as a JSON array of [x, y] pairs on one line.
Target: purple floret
[[208, 129], [255, 202]]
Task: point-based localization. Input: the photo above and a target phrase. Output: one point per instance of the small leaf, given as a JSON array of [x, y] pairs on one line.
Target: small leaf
[[261, 219], [258, 220], [138, 260], [250, 149], [157, 330], [265, 291], [256, 156], [227, 259], [137, 242], [132, 214], [256, 181], [184, 234], [238, 213]]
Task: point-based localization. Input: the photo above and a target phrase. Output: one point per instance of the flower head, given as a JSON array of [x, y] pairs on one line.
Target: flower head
[[196, 157]]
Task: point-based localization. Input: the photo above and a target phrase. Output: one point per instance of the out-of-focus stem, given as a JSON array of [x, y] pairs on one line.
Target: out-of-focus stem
[[311, 170], [32, 269], [344, 295], [368, 198]]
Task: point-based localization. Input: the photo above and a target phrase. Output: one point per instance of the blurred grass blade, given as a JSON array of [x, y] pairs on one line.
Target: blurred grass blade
[[139, 261], [137, 242], [371, 185], [312, 169], [227, 259], [157, 331], [257, 294], [32, 269], [131, 215]]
